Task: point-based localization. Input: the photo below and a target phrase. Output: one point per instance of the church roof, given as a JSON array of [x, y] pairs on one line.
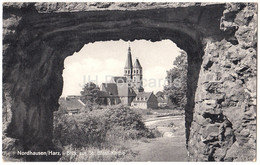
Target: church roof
[[124, 90], [129, 63], [118, 79], [111, 88], [137, 64]]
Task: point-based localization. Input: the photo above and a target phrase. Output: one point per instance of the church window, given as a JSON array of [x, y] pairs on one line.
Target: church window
[[137, 71], [134, 71]]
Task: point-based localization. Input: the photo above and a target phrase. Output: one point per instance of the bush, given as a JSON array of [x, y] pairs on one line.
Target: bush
[[125, 117], [99, 128], [155, 133]]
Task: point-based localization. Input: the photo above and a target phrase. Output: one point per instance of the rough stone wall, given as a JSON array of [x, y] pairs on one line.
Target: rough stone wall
[[57, 7], [224, 126], [220, 117]]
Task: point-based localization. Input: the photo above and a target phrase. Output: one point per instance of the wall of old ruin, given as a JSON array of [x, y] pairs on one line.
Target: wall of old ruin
[[224, 126], [220, 40]]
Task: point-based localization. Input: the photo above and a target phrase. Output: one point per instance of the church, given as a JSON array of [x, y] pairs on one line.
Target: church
[[128, 89]]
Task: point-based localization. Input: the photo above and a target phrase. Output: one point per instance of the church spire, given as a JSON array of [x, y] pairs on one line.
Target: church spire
[[129, 67], [138, 77], [129, 48], [137, 64], [129, 63]]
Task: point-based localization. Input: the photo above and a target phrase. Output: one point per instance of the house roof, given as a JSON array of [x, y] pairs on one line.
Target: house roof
[[111, 88], [143, 96], [70, 104], [73, 96], [118, 79]]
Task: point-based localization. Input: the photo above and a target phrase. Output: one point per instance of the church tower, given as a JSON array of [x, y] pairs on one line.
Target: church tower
[[128, 67], [138, 77]]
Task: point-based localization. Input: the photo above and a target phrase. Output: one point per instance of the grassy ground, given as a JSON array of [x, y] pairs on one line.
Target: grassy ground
[[169, 147], [121, 151], [117, 144], [100, 134]]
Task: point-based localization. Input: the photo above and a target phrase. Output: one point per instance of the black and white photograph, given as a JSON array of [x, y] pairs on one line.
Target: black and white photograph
[[129, 81]]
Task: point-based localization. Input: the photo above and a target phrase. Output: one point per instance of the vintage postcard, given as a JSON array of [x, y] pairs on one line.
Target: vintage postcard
[[129, 81]]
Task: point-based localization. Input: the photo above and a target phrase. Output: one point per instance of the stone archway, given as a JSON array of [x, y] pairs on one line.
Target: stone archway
[[39, 36]]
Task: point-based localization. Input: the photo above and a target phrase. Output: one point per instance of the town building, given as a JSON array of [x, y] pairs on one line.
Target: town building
[[116, 93], [145, 100], [71, 104], [128, 88]]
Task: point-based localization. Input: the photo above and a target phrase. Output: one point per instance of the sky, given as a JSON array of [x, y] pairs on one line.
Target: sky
[[99, 61]]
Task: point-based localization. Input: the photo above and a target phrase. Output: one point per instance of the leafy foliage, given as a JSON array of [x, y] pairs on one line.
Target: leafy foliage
[[89, 94], [177, 81], [97, 128]]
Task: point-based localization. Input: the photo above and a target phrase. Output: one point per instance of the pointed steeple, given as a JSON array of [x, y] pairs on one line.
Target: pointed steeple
[[138, 77], [137, 64], [129, 63], [128, 70]]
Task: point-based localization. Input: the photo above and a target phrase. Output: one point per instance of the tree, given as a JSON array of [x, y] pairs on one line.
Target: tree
[[176, 88], [89, 94]]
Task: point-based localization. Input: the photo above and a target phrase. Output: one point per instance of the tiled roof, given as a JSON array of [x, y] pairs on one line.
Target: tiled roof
[[111, 88], [142, 97], [124, 90], [118, 79], [70, 104]]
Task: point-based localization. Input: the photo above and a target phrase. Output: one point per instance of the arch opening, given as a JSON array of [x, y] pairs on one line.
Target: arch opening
[[99, 73]]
